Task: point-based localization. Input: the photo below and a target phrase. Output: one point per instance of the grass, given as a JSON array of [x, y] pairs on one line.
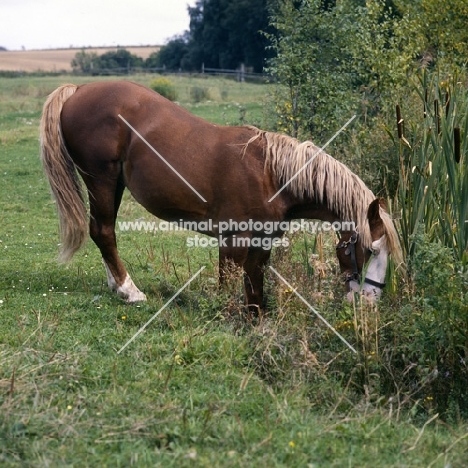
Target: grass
[[199, 387]]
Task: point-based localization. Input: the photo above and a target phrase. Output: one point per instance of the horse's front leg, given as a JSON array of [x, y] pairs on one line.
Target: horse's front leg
[[236, 248], [232, 250], [254, 267]]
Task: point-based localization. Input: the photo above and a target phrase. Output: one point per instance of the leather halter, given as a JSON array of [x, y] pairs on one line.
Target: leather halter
[[350, 246]]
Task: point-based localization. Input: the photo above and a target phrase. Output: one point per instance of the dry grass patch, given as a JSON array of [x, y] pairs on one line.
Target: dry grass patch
[[55, 60]]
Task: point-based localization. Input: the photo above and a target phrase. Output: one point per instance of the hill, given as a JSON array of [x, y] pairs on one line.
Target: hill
[[56, 59]]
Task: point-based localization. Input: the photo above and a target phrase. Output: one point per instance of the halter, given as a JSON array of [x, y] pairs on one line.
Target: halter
[[350, 246]]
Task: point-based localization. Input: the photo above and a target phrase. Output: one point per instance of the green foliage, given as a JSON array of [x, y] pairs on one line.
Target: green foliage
[[440, 341], [90, 62], [199, 93], [306, 46], [439, 28], [164, 87], [433, 197], [339, 58], [84, 61], [433, 188], [171, 57], [120, 58], [336, 60], [224, 34]]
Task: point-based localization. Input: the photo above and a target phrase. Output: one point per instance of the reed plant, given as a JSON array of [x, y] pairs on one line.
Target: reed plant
[[433, 176], [433, 200]]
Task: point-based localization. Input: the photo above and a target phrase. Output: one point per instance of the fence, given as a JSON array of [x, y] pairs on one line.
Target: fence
[[239, 74]]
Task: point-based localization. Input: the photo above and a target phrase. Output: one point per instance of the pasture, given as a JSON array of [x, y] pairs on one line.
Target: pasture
[[199, 387]]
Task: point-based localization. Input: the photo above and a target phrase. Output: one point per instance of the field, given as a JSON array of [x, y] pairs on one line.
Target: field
[[56, 60], [200, 387]]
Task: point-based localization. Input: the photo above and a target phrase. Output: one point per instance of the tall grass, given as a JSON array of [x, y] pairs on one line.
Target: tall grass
[[433, 198], [433, 185]]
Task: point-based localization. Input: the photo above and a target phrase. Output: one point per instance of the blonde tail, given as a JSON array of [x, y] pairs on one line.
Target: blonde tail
[[61, 173]]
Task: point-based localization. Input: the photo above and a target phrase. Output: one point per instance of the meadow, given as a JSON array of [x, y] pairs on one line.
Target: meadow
[[200, 386]]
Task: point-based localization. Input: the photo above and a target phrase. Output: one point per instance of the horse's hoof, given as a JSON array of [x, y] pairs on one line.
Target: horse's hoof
[[136, 297], [130, 292]]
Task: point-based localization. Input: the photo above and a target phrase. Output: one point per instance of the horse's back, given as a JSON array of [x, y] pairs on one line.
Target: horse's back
[[157, 144], [101, 108]]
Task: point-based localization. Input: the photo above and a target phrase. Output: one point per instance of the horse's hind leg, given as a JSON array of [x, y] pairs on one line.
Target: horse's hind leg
[[104, 198]]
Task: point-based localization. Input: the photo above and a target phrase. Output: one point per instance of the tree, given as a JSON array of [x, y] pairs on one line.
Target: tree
[[335, 56], [84, 61], [223, 34], [338, 57], [172, 56], [312, 61], [246, 21], [89, 62], [441, 30], [120, 58]]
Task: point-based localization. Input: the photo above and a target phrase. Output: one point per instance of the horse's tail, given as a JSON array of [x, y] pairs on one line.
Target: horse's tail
[[61, 173]]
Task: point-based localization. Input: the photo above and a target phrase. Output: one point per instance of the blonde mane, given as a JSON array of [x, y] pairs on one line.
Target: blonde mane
[[326, 180]]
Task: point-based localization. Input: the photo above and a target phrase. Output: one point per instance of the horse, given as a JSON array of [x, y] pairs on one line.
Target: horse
[[120, 134]]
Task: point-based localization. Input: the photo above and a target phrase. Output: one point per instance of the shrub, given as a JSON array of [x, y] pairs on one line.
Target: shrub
[[425, 349], [198, 94], [442, 323], [164, 87]]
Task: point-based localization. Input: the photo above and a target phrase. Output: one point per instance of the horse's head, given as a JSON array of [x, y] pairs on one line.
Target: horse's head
[[354, 258]]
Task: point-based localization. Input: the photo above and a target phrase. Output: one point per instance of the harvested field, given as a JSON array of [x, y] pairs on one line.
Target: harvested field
[[56, 59]]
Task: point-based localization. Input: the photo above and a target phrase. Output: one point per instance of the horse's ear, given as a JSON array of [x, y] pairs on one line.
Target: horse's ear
[[383, 204], [373, 213]]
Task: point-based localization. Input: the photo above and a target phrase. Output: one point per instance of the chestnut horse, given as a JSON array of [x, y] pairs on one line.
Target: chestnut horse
[[119, 135]]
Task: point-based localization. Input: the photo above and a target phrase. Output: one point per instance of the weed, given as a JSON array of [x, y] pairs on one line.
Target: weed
[[199, 94], [164, 87]]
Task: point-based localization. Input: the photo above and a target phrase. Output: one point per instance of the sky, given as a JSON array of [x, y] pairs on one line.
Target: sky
[[48, 24]]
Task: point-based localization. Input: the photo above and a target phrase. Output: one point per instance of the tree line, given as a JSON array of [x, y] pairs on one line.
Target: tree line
[[361, 43], [222, 34], [330, 56]]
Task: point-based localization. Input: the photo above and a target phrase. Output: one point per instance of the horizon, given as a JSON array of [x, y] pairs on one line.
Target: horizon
[[72, 47], [28, 25]]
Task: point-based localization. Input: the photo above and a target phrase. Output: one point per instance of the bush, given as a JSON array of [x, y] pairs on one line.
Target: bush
[[442, 324], [117, 60], [165, 88], [198, 94]]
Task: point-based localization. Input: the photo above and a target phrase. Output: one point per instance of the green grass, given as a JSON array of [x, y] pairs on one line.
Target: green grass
[[199, 387]]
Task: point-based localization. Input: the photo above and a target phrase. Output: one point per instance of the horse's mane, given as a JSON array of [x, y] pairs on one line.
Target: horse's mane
[[325, 180]]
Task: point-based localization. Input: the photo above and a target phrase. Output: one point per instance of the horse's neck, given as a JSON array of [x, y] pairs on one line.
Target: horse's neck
[[310, 209]]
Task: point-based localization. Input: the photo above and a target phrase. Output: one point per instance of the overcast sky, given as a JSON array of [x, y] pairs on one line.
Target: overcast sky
[[45, 24]]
